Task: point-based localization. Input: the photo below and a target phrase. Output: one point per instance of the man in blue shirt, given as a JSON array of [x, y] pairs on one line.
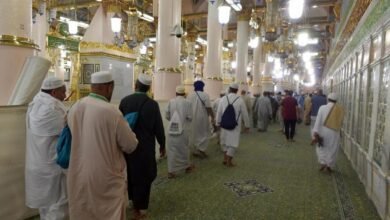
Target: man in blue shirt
[[317, 101]]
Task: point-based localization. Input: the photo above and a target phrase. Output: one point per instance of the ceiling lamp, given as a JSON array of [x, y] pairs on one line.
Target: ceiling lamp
[[234, 64], [235, 4], [295, 8], [72, 25], [303, 39], [143, 49], [116, 23], [271, 20], [223, 14], [254, 42], [145, 16]]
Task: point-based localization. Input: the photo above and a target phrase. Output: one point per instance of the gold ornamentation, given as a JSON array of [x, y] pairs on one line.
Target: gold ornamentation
[[11, 40], [217, 78], [109, 55], [170, 70], [97, 45], [266, 78]]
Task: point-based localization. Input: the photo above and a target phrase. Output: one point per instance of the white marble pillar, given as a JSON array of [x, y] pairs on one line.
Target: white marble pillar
[[15, 43], [257, 68], [242, 50], [266, 81], [39, 31], [168, 73], [213, 79], [189, 74]]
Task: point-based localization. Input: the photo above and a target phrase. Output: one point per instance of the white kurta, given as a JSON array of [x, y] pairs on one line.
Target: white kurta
[[328, 152], [45, 180], [231, 138], [200, 120], [177, 145], [97, 180], [263, 109]]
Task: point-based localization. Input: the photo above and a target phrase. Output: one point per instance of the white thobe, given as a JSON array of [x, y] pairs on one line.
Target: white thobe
[[328, 152], [45, 180], [97, 176], [177, 145], [200, 120], [263, 109], [215, 105], [231, 138]]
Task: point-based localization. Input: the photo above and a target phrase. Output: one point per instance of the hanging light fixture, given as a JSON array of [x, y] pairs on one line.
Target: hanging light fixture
[[116, 23], [72, 27], [224, 14], [295, 8]]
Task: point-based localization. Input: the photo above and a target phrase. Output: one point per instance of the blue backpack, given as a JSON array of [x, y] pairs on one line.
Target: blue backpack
[[132, 117], [63, 147], [229, 120]]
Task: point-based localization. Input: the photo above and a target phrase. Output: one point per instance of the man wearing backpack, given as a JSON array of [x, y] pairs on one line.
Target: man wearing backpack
[[179, 115], [231, 111], [201, 111], [141, 164]]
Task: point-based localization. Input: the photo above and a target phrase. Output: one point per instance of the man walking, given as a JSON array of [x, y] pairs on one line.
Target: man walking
[[230, 137], [326, 132], [317, 101], [97, 167], [141, 165], [290, 115], [263, 109], [179, 115], [45, 180]]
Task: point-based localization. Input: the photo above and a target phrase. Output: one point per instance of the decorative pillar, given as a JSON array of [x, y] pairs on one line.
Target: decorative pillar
[[258, 65], [168, 73], [242, 49], [15, 43], [266, 82], [213, 79], [189, 74], [40, 29]]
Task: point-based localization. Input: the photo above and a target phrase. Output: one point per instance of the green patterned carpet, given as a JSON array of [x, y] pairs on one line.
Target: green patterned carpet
[[273, 180]]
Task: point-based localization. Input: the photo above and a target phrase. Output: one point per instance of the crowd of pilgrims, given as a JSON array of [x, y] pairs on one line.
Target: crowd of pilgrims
[[113, 162]]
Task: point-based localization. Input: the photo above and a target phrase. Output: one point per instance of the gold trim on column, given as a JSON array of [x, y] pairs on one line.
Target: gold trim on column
[[244, 16], [217, 78], [10, 40], [170, 70], [266, 78], [100, 54]]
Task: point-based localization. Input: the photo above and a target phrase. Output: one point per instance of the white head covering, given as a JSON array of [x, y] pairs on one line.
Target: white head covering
[[145, 79], [52, 83], [101, 77], [223, 92], [180, 89], [234, 86], [333, 96]]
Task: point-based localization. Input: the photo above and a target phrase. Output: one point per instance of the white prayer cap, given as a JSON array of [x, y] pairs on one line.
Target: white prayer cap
[[180, 89], [101, 77], [234, 86], [333, 96], [145, 79], [52, 83], [223, 92]]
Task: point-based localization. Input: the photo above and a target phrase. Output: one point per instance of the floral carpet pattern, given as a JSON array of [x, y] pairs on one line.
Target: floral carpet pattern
[[248, 188]]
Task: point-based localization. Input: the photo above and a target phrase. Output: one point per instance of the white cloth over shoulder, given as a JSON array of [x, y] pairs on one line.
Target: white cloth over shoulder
[[177, 145], [200, 120], [231, 138], [45, 120], [328, 152]]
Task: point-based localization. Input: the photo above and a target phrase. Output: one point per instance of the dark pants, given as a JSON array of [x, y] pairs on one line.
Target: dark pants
[[289, 128], [139, 194]]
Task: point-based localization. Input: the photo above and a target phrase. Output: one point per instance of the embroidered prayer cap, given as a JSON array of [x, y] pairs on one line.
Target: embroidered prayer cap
[[145, 79], [52, 83], [101, 77], [234, 86], [333, 96], [180, 89]]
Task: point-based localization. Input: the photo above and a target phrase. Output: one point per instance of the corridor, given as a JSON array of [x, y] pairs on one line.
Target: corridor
[[273, 179]]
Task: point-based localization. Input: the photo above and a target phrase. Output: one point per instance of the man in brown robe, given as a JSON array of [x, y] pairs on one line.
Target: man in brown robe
[[96, 183]]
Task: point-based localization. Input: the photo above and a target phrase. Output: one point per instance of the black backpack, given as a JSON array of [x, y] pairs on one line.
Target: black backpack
[[229, 120]]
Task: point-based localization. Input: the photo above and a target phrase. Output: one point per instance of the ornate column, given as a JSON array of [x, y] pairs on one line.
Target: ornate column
[[213, 79], [168, 73], [15, 43], [266, 81], [189, 74], [40, 29], [258, 65], [242, 49]]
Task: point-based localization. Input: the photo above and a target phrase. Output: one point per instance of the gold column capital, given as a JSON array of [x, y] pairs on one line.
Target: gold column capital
[[10, 40], [245, 15]]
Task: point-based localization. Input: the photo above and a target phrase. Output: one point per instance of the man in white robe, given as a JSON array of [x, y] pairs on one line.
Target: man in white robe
[[230, 139], [45, 180], [97, 180], [177, 146], [263, 109], [216, 132], [327, 139], [201, 111]]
